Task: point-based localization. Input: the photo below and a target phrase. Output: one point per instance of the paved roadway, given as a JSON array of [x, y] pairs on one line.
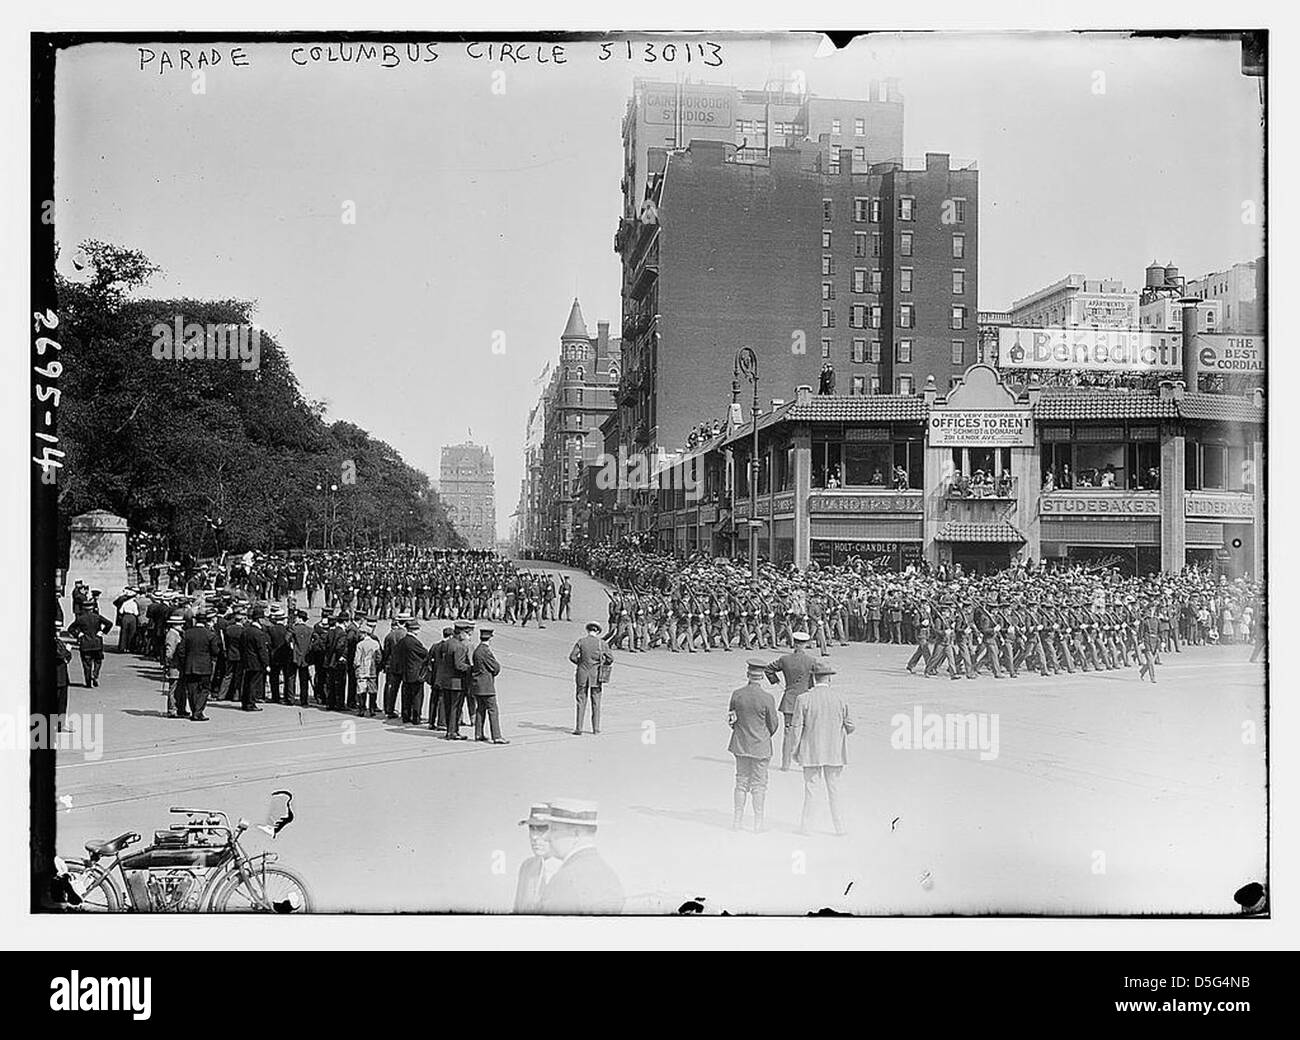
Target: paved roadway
[[1107, 795]]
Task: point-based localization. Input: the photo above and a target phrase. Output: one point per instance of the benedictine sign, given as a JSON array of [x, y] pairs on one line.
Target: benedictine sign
[[1090, 350], [987, 429]]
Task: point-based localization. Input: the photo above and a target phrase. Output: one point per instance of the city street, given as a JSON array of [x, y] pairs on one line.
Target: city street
[[1107, 795]]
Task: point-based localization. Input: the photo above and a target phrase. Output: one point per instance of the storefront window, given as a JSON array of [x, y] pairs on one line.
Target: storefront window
[[1100, 466], [909, 457], [867, 465]]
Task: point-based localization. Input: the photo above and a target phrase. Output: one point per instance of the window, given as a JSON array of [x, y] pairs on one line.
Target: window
[[828, 290], [577, 418], [859, 154], [905, 243], [828, 319], [861, 208], [826, 240], [828, 265], [875, 211], [959, 352], [833, 168], [859, 127], [903, 352], [875, 243], [958, 318], [858, 386], [958, 283], [874, 317], [826, 348], [858, 316], [835, 126], [904, 315], [859, 243], [906, 208], [903, 386], [867, 464], [905, 279], [959, 211], [877, 280], [859, 354], [579, 395], [875, 384], [859, 279], [827, 209], [874, 354], [958, 246]]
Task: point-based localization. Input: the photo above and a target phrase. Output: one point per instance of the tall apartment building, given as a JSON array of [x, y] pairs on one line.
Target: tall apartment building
[[1240, 293], [671, 115], [578, 399], [1078, 301], [467, 487]]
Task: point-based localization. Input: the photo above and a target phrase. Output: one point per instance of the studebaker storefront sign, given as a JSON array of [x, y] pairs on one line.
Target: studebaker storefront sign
[[1116, 504]]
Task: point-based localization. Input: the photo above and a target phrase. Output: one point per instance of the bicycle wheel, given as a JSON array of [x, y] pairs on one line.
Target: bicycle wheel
[[101, 894], [285, 893]]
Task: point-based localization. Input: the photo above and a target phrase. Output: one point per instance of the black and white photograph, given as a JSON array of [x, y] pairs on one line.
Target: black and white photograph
[[649, 474]]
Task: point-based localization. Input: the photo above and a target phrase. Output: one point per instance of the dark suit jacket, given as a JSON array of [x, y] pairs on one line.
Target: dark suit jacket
[[462, 660], [483, 678], [589, 653], [256, 648], [444, 665], [756, 721], [235, 644], [279, 636], [584, 884], [300, 643], [89, 628], [410, 654], [198, 651]]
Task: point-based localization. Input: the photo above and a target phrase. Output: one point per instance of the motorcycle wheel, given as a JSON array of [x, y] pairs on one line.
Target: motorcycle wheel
[[102, 897], [286, 893]]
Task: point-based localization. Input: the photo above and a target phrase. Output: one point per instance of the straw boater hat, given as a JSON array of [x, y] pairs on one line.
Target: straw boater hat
[[538, 815], [572, 812], [800, 637]]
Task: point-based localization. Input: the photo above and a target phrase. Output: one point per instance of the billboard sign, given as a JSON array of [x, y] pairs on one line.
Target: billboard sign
[[985, 428], [1226, 354], [1090, 350], [697, 106]]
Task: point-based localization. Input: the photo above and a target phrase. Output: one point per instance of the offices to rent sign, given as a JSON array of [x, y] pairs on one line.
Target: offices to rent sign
[[981, 429], [1094, 350]]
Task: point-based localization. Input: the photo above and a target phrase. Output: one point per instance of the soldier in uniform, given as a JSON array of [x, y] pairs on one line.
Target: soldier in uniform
[[753, 718], [796, 669]]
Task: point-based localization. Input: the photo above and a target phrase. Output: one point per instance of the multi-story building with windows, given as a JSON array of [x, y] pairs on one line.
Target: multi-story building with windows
[[1239, 291], [467, 487]]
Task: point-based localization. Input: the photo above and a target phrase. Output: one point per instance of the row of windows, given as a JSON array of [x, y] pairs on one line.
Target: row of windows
[[859, 128], [868, 210], [872, 281], [864, 316], [868, 352], [871, 244]]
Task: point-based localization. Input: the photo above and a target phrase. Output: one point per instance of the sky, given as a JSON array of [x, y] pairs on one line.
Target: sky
[[485, 191]]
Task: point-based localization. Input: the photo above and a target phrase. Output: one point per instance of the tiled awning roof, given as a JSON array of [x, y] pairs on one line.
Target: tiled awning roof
[[969, 531], [1137, 404], [861, 408]]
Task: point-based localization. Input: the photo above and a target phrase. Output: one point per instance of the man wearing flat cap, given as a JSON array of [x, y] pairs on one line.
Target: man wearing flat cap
[[753, 717], [821, 729], [796, 668]]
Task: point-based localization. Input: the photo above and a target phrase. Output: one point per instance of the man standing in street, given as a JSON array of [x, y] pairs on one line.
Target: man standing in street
[[198, 656], [462, 662], [753, 717], [257, 661], [411, 659], [796, 668], [585, 883], [89, 627], [234, 636], [128, 618], [300, 656], [388, 659], [821, 729], [592, 656], [453, 683], [366, 668], [278, 633], [483, 685], [440, 674], [566, 600]]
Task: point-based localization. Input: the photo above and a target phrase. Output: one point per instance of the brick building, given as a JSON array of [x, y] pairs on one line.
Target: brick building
[[467, 487]]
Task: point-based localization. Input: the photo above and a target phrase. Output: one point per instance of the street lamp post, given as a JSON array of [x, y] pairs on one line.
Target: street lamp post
[[747, 366]]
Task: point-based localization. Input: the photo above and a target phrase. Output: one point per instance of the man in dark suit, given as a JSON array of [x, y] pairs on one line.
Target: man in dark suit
[[462, 662], [439, 674], [198, 654], [590, 654], [278, 633], [483, 675], [334, 653], [234, 655], [392, 673], [796, 668], [411, 656], [585, 883], [299, 658], [753, 718], [257, 661]]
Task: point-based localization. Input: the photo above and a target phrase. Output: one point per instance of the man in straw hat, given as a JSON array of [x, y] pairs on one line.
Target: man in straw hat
[[821, 728], [585, 883], [536, 870]]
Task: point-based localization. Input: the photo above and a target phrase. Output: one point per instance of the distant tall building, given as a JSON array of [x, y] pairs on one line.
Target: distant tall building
[[1239, 291], [1078, 301], [467, 487]]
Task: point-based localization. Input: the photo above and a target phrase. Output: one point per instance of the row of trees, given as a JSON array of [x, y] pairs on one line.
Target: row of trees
[[212, 455]]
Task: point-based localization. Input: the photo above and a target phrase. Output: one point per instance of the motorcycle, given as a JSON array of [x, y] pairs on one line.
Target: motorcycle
[[197, 866]]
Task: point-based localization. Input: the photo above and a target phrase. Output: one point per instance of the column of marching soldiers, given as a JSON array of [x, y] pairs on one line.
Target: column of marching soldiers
[[1044, 619]]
